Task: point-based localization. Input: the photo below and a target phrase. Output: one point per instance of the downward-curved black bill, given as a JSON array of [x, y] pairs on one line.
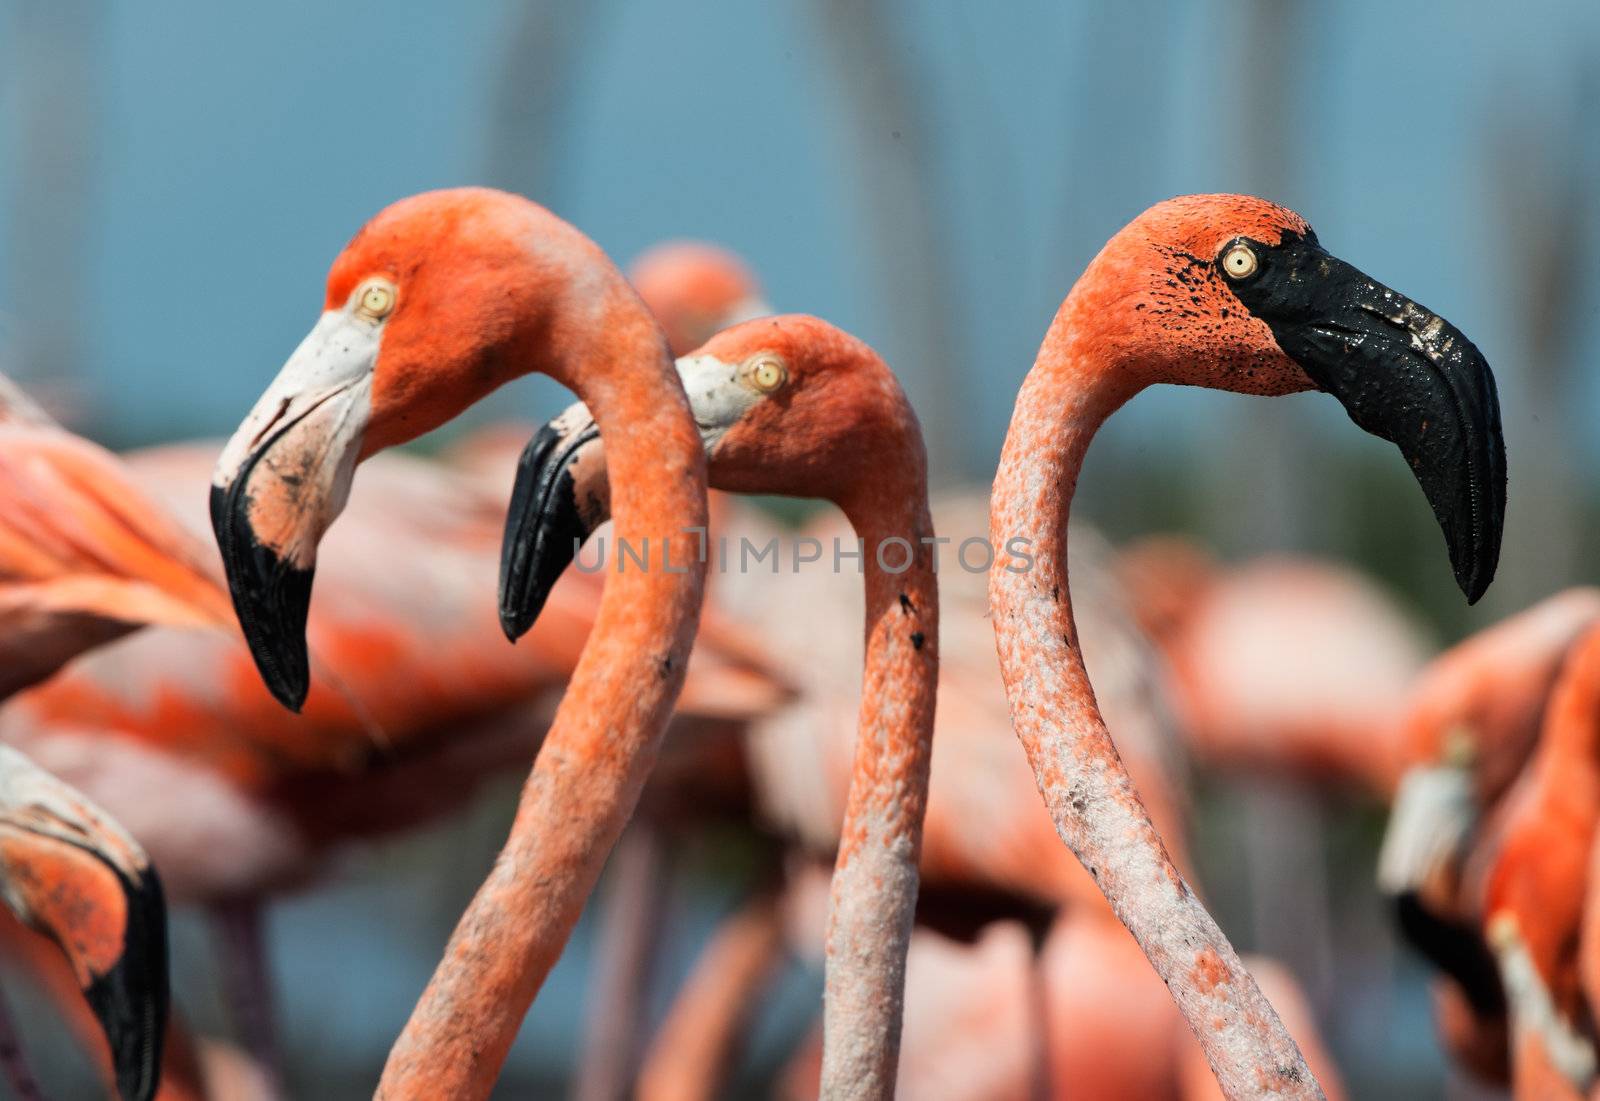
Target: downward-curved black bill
[[1403, 373], [272, 597], [544, 525], [132, 999]]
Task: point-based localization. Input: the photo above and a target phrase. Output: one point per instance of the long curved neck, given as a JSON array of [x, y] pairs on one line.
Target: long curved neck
[[605, 735], [875, 877], [899, 675], [1066, 397]]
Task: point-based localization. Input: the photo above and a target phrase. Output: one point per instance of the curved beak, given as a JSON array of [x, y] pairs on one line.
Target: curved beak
[[1430, 826], [73, 874], [1405, 374], [282, 479], [132, 998], [561, 493], [1430, 823], [560, 496]]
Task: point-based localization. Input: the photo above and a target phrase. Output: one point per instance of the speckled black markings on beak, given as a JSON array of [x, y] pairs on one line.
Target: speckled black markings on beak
[[544, 525], [1403, 373], [132, 999], [271, 597]]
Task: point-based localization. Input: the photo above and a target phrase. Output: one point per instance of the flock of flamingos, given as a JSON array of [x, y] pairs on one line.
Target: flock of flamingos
[[219, 719]]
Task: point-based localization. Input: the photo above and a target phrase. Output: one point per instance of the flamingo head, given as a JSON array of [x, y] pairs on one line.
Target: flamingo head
[[1236, 293], [786, 405], [439, 299]]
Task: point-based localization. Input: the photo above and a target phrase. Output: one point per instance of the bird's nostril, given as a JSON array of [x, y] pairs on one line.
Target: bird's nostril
[[283, 407]]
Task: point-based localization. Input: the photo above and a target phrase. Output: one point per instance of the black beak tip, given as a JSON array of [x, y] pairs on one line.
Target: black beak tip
[[1475, 551], [271, 597], [131, 1001], [290, 689], [513, 624], [524, 591], [543, 528]]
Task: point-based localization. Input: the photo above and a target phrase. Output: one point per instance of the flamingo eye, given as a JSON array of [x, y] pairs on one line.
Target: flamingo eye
[[1239, 262], [767, 373], [375, 300]]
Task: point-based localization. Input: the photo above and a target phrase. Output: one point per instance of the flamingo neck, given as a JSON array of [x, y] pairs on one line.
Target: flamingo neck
[[901, 664], [605, 735], [1075, 384], [1063, 402], [874, 888]]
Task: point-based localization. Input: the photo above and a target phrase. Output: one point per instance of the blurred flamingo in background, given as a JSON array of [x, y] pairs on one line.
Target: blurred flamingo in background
[[696, 289], [1467, 732], [1286, 672], [1233, 293], [1281, 665], [1532, 867], [1113, 1031], [69, 872], [85, 556], [84, 559]]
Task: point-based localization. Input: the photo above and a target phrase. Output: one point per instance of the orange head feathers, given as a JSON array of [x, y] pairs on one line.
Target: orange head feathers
[[438, 300]]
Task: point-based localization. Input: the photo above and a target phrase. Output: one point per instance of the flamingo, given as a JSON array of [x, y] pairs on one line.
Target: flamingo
[[1537, 856], [1235, 293], [1457, 746], [84, 560], [791, 405], [70, 872], [1489, 870], [438, 300], [696, 289]]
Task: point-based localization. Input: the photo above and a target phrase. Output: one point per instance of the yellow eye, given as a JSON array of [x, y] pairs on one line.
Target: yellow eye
[[767, 374], [1239, 262], [375, 300]]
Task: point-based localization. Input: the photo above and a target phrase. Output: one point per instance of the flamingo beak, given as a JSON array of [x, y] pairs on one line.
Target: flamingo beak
[[1404, 374], [560, 496], [131, 999], [281, 481], [1429, 832], [561, 493], [69, 871]]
